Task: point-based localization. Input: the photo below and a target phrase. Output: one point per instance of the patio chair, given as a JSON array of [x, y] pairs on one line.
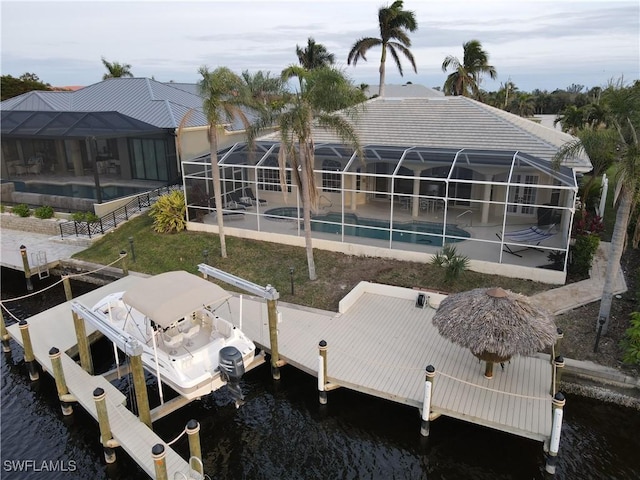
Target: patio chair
[[238, 199], [249, 194], [532, 235]]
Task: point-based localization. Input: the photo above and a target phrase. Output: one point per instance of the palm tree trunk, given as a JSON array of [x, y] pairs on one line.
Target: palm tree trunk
[[306, 211], [613, 266], [383, 60], [217, 194]]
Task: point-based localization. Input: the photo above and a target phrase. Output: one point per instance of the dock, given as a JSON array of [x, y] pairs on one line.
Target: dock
[[378, 343], [54, 328]]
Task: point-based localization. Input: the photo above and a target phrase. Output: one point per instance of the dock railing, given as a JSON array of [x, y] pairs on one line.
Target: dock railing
[[111, 220]]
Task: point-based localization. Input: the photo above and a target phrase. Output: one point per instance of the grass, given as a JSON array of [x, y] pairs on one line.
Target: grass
[[269, 263]]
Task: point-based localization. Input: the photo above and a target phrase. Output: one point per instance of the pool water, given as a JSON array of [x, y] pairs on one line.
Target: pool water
[[427, 233], [109, 192]]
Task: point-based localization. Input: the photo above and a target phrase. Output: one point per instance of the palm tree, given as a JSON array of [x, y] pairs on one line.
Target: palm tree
[[314, 55], [116, 70], [262, 87], [323, 91], [466, 77], [395, 23], [226, 98], [623, 120]]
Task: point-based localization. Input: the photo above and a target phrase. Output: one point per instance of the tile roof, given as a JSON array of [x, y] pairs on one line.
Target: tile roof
[[454, 122]]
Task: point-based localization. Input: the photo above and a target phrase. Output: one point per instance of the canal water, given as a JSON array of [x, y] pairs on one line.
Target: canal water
[[283, 433]]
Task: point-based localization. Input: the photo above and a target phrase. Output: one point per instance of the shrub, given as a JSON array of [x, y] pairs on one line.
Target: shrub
[[585, 223], [22, 210], [582, 254], [44, 212], [452, 262], [88, 217], [168, 213], [631, 341]]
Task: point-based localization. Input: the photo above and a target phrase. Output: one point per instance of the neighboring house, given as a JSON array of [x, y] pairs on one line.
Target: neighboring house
[[407, 90], [102, 141], [437, 169]]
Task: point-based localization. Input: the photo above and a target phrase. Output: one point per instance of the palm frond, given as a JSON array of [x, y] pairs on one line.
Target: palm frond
[[406, 52], [360, 49]]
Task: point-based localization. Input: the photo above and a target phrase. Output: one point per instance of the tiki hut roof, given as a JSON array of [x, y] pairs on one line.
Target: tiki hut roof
[[495, 324]]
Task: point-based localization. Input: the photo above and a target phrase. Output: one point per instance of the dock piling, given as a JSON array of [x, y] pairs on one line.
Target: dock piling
[[322, 372], [27, 270], [273, 338], [81, 331], [556, 428], [159, 461], [430, 373], [99, 396], [558, 365], [4, 335], [123, 262], [61, 384], [139, 384], [556, 347], [195, 451], [28, 351]]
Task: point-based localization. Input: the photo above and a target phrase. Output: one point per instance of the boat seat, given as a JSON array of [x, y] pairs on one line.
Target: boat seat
[[190, 333], [173, 342]]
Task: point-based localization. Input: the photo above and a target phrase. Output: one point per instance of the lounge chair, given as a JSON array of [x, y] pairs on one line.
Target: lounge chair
[[249, 194], [237, 199], [532, 235]]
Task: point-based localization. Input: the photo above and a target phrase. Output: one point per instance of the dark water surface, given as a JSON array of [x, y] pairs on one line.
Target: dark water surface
[[283, 433]]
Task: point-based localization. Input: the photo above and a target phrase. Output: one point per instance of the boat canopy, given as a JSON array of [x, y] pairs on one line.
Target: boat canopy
[[168, 297]]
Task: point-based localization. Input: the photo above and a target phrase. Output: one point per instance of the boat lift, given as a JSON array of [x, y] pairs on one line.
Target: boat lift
[[269, 293]]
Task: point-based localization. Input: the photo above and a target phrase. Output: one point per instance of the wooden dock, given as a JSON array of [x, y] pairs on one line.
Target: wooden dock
[[54, 328], [379, 343]]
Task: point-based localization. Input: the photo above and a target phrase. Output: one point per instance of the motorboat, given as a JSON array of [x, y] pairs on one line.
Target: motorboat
[[171, 320]]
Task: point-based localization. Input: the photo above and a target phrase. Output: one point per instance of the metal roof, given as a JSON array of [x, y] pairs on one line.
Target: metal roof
[[450, 122], [143, 99], [19, 123]]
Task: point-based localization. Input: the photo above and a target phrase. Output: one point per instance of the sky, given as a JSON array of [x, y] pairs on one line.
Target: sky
[[533, 43]]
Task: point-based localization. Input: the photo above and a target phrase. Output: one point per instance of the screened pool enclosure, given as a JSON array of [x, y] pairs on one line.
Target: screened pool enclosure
[[496, 206]]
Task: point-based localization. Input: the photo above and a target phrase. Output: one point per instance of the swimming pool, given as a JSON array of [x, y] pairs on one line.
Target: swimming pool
[[427, 233], [109, 192]]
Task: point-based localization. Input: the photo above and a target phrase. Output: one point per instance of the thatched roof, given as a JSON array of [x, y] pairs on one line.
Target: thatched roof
[[495, 324]]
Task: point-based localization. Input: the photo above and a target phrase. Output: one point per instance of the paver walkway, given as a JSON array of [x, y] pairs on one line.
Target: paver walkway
[[574, 295]]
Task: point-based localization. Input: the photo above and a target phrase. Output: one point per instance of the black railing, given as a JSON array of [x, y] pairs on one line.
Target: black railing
[[120, 215]]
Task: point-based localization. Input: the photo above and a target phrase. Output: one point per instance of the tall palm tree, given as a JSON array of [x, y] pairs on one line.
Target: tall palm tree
[[323, 91], [226, 98], [466, 76], [116, 70], [395, 23], [621, 139], [314, 55]]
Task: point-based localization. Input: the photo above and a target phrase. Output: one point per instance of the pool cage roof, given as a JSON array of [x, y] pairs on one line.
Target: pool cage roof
[[503, 164]]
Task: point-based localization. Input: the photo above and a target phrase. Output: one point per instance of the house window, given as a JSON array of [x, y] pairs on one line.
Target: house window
[[521, 195], [149, 159], [269, 178], [331, 182]]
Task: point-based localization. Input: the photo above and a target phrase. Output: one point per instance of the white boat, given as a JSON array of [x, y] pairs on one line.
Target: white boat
[[172, 316]]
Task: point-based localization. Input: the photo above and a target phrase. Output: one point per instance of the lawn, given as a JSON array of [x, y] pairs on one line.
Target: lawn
[[269, 263]]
